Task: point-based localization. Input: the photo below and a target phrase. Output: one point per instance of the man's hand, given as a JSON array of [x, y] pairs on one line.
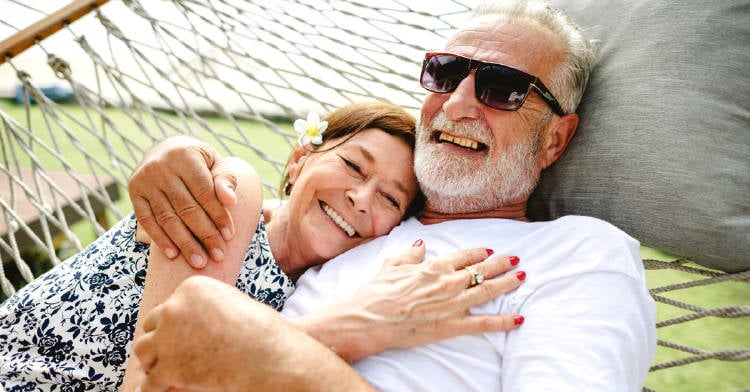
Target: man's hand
[[209, 336], [410, 304], [180, 193]]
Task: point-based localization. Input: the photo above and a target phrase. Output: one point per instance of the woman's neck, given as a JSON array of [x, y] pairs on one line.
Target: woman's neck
[[283, 249]]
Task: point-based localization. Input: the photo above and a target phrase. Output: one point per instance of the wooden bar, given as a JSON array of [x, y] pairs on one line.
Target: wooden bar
[[49, 25]]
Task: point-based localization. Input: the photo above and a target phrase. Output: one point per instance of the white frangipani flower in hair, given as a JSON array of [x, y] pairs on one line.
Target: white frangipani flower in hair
[[310, 130]]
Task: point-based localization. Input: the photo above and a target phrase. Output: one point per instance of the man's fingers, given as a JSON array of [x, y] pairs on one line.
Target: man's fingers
[[225, 192], [155, 210], [147, 221], [176, 182], [152, 318], [225, 186], [153, 382], [145, 346], [204, 208], [144, 349], [225, 182], [174, 227], [214, 190], [195, 202]]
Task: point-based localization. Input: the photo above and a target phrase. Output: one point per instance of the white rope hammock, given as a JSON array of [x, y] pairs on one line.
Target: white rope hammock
[[232, 73]]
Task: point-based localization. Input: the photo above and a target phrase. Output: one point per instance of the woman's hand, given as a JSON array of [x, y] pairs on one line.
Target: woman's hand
[[180, 194], [411, 304]]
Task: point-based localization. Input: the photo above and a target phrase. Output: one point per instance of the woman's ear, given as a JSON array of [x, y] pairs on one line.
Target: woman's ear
[[559, 133], [296, 161]]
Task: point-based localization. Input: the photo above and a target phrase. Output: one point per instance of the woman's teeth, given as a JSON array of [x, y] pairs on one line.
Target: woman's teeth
[[340, 222]]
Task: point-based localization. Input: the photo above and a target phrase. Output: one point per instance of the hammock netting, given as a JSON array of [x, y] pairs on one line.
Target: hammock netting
[[83, 105]]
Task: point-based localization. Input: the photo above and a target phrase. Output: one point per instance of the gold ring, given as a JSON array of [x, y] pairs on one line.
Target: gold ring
[[475, 278]]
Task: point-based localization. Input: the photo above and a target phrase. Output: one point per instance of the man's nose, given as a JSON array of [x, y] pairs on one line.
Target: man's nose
[[462, 102]]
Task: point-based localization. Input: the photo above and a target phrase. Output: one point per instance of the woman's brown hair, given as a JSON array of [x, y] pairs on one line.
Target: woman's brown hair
[[350, 119]]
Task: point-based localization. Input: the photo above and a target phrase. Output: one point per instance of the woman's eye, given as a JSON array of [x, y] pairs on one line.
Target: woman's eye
[[393, 201], [352, 165]]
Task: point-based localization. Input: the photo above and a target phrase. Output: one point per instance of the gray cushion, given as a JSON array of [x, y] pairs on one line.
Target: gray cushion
[[663, 148]]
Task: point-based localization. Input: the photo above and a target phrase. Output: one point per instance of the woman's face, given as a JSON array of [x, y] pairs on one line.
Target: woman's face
[[350, 194]]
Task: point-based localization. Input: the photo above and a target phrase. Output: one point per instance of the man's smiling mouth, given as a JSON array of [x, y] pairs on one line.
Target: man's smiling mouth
[[339, 221], [442, 137]]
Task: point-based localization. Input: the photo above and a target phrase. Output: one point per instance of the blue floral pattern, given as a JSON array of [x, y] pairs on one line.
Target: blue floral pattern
[[71, 329]]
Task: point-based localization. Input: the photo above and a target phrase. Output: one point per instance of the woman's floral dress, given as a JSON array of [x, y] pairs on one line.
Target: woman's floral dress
[[71, 329]]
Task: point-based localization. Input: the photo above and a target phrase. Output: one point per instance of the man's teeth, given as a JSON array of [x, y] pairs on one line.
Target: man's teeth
[[339, 221], [461, 141]]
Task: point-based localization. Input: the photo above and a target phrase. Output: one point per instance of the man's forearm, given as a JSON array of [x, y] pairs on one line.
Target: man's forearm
[[243, 345]]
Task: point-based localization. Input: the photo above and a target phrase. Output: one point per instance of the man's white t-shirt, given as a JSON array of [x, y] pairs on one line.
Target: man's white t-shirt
[[589, 319]]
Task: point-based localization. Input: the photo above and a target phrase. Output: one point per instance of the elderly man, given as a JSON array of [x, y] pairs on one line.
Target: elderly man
[[501, 109]]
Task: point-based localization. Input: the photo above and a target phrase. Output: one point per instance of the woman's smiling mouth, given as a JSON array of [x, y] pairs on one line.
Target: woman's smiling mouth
[[339, 221]]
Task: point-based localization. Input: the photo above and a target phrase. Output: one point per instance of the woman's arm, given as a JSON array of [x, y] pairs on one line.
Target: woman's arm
[[164, 275], [412, 303]]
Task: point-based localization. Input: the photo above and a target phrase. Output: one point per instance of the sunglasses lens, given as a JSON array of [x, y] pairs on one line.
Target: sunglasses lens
[[497, 86], [501, 87], [443, 73]]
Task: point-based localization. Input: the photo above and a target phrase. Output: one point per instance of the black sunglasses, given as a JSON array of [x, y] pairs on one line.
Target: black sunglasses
[[497, 86]]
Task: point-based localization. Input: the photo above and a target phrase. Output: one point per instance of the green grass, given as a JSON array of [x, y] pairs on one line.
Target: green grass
[[133, 136], [709, 334], [130, 138]]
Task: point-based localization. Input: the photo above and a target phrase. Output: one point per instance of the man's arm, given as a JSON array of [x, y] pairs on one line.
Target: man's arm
[[209, 336], [180, 193], [164, 275]]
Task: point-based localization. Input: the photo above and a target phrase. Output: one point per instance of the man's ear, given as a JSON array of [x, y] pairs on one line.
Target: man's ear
[[295, 163], [559, 132]]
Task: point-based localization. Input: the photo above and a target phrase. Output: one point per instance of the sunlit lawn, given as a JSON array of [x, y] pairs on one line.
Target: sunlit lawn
[[709, 334], [88, 152]]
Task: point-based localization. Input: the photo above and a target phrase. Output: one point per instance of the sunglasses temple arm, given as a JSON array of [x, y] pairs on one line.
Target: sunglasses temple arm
[[549, 98]]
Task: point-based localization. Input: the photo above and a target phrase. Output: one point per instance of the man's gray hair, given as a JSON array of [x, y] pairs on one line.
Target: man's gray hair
[[568, 81]]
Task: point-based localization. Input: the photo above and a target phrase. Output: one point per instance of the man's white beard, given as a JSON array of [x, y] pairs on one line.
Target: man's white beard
[[461, 183]]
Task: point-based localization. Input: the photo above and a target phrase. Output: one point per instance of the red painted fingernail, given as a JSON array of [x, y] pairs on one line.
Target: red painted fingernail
[[514, 260], [417, 243], [518, 320], [521, 275], [490, 252]]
